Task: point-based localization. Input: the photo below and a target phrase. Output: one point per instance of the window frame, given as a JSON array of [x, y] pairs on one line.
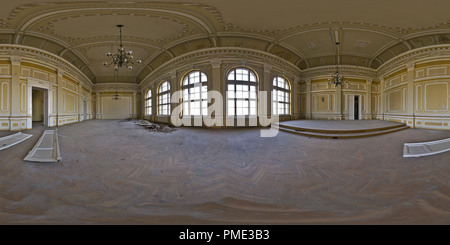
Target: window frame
[[285, 92], [164, 103], [187, 91], [148, 102], [249, 102]]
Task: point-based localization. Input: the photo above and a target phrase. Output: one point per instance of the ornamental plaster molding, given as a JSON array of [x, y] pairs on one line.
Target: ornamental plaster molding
[[51, 28], [346, 70], [414, 56], [227, 56], [111, 87], [20, 52]]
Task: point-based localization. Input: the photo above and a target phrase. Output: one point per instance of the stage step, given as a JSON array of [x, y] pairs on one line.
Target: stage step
[[341, 134]]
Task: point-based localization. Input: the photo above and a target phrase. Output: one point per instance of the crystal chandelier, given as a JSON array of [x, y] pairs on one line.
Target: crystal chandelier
[[336, 79], [122, 58]]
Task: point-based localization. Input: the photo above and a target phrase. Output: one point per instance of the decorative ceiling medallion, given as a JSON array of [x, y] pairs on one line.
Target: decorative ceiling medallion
[[313, 44], [362, 44]]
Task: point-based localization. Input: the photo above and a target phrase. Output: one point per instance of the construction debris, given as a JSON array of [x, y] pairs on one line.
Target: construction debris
[[154, 126]]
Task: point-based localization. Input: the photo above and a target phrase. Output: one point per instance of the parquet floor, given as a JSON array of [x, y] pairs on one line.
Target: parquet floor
[[116, 172]]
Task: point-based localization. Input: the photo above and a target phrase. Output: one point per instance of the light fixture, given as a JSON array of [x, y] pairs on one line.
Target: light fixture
[[122, 58], [337, 79]]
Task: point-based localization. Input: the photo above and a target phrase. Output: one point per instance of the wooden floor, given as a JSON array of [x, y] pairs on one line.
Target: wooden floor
[[117, 172]]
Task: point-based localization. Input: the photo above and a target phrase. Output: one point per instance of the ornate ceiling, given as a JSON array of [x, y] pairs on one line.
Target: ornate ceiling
[[302, 32]]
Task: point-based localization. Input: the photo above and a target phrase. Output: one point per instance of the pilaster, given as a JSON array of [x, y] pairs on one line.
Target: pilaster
[[15, 87], [308, 98], [410, 66], [81, 111], [368, 102], [339, 102], [134, 101], [97, 105], [266, 85], [60, 97], [382, 99]]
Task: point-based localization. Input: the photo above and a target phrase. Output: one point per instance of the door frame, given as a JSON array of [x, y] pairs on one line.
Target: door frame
[[47, 88]]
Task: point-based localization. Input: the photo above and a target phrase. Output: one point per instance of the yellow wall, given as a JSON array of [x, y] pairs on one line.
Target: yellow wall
[[116, 109], [20, 75]]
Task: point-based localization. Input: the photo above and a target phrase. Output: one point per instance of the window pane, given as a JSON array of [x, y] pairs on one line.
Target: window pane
[[253, 104], [231, 75], [252, 77], [239, 77], [239, 111], [204, 78]]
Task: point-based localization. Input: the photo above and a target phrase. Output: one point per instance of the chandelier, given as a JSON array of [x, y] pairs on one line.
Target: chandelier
[[336, 79], [122, 58]]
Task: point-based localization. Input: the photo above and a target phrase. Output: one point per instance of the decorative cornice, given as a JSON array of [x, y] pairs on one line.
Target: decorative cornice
[[345, 69], [111, 87], [228, 54], [41, 56], [414, 56]]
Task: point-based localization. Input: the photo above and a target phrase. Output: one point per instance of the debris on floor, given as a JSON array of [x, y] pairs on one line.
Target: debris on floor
[[154, 126]]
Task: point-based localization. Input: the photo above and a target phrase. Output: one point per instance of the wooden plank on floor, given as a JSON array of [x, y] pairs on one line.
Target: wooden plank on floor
[[46, 149], [14, 139]]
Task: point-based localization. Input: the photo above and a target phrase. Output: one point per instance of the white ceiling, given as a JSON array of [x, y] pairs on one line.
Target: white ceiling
[[302, 32]]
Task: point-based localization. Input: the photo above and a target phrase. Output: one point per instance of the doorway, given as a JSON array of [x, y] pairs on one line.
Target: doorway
[[356, 108], [39, 106]]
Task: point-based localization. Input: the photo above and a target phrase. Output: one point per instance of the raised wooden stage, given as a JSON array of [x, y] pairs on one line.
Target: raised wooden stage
[[338, 129]]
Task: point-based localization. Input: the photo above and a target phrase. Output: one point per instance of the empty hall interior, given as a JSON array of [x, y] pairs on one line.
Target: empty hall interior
[[225, 112]]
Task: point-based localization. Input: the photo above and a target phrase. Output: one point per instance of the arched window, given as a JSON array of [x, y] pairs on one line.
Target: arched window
[[164, 99], [241, 92], [195, 94], [280, 96], [148, 102]]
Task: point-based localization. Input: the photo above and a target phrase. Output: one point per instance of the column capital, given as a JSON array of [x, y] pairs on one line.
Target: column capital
[[267, 68], [59, 72], [410, 65], [308, 80], [173, 75], [369, 80], [15, 60], [216, 63]]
